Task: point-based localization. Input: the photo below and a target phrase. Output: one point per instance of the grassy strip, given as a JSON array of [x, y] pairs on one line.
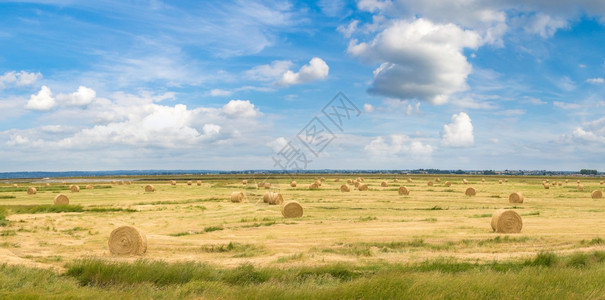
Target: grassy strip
[[48, 208], [546, 276]]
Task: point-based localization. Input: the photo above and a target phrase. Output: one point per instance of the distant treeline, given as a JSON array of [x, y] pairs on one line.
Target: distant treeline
[[17, 175]]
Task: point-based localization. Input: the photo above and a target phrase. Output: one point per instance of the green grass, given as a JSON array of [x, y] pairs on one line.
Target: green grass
[[7, 197], [545, 276]]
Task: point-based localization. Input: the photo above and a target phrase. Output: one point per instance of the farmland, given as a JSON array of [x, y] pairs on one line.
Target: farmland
[[358, 236]]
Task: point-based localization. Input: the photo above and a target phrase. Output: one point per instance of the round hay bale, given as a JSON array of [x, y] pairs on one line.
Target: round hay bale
[[546, 186], [437, 179], [363, 187], [345, 188], [500, 181], [515, 198], [554, 183], [356, 183], [560, 183], [293, 184], [74, 188], [90, 187], [464, 181], [267, 185], [266, 197], [505, 180], [470, 192], [395, 180], [599, 182], [337, 180], [237, 197], [566, 180], [189, 182], [547, 180], [274, 198], [121, 182], [199, 182], [403, 190], [172, 182], [31, 190], [580, 187], [113, 182], [360, 179], [448, 184], [47, 184], [597, 194], [314, 186], [61, 200], [244, 181], [384, 184], [409, 179], [15, 185], [322, 179], [430, 183], [260, 184], [506, 221], [63, 183], [292, 209], [127, 240], [128, 182], [482, 179], [578, 181], [149, 188], [349, 181]]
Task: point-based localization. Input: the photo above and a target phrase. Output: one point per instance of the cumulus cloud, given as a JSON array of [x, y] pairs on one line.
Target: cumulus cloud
[[220, 92], [269, 72], [240, 108], [459, 132], [316, 69], [373, 5], [593, 131], [133, 121], [83, 96], [43, 100], [419, 59], [397, 145], [368, 108], [597, 80], [18, 79]]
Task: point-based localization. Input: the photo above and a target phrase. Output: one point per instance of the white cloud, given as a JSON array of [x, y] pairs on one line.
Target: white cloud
[[398, 145], [544, 25], [211, 129], [565, 105], [368, 108], [373, 5], [593, 131], [459, 132], [269, 72], [83, 96], [19, 79], [419, 59], [597, 80], [220, 92], [470, 102], [240, 108], [316, 69], [43, 100], [348, 30], [277, 144], [534, 101]]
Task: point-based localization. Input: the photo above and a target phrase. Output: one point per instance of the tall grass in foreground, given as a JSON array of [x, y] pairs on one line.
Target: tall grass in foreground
[[545, 276]]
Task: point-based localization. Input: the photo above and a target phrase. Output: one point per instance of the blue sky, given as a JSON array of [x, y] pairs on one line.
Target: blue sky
[[107, 85]]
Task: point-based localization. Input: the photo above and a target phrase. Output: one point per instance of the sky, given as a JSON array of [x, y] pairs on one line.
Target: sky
[[237, 85]]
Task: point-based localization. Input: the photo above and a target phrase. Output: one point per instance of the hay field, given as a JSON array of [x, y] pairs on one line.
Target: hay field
[[200, 223]]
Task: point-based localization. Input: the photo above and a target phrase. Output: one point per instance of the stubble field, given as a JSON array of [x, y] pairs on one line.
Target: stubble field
[[375, 230]]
